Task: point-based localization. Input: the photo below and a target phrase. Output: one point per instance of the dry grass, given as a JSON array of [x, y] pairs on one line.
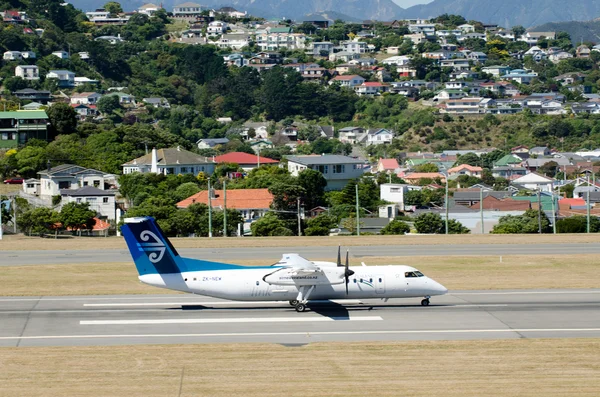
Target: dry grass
[[5, 189], [20, 242], [456, 273], [530, 367]]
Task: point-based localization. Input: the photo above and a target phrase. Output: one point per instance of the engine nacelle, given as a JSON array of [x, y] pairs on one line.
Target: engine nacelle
[[291, 276]]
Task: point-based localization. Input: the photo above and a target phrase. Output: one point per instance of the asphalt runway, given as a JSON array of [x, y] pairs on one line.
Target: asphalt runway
[[159, 319], [273, 254]]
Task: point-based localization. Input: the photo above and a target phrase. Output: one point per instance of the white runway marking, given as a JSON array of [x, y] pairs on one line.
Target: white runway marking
[[229, 320], [259, 334], [215, 303]]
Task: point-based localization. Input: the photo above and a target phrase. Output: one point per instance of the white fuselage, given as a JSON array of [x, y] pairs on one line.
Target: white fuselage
[[247, 284]]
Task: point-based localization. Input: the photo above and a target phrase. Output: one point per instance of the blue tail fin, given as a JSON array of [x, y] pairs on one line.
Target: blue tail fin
[[152, 252]]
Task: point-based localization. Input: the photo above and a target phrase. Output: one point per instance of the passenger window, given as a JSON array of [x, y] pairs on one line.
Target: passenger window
[[361, 280], [257, 283], [370, 280], [354, 281], [380, 280]]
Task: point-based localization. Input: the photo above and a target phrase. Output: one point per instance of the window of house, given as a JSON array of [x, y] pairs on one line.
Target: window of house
[[91, 199], [105, 200], [339, 168], [5, 136], [184, 170], [323, 169], [96, 183], [78, 200]]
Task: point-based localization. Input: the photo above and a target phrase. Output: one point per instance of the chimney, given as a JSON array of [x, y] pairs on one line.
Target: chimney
[[154, 165]]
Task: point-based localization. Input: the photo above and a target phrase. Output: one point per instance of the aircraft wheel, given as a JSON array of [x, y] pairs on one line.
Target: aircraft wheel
[[293, 302], [425, 302], [300, 307]]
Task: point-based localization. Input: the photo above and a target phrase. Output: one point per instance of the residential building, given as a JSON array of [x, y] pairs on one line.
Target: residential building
[[351, 135], [344, 56], [188, 11], [61, 54], [216, 28], [415, 177], [371, 88], [379, 137], [470, 197], [350, 81], [534, 182], [496, 70], [462, 106], [79, 81], [157, 102], [12, 56], [395, 193], [246, 161], [85, 111], [170, 161], [338, 170], [387, 166], [68, 176], [17, 127], [399, 60], [521, 76], [251, 203], [149, 9], [466, 169], [110, 39], [322, 47], [211, 143], [27, 72], [356, 47], [85, 98], [540, 151], [29, 94], [234, 41], [65, 78], [99, 200], [406, 71]]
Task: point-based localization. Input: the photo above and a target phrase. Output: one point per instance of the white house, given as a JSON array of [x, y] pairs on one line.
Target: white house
[[170, 161], [61, 54], [101, 201], [149, 9], [85, 98], [188, 10], [28, 55], [351, 135], [394, 193], [356, 47], [338, 170], [379, 137], [64, 77], [348, 80], [216, 28], [233, 41], [27, 72], [371, 88], [533, 181], [69, 176], [12, 56], [399, 60]]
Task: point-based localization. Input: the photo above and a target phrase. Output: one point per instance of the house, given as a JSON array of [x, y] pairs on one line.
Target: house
[[110, 39], [85, 98], [216, 28], [477, 57], [395, 193], [351, 135], [65, 78], [99, 200], [399, 60], [124, 98], [491, 203], [251, 203], [387, 165], [462, 106], [259, 128], [234, 41], [27, 72], [149, 9], [355, 47], [85, 111], [322, 48], [446, 95], [61, 54], [261, 144], [466, 169], [350, 81], [68, 176], [371, 88], [406, 71], [29, 94], [534, 181], [280, 38], [338, 170], [157, 102], [79, 81], [496, 70], [583, 52], [231, 12], [379, 137], [343, 56], [246, 161], [188, 11], [470, 197], [211, 143], [415, 177], [17, 127], [170, 161], [32, 106], [466, 28], [12, 56], [540, 151]]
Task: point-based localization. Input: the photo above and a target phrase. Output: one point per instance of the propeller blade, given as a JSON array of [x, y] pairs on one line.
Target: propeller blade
[[347, 272], [339, 258]]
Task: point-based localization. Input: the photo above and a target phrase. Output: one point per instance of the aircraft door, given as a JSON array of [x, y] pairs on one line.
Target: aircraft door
[[379, 283]]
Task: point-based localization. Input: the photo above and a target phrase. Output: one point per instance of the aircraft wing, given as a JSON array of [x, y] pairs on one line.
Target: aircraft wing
[[299, 264]]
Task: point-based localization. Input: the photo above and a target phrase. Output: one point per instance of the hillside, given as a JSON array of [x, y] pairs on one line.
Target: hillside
[[586, 31], [509, 13]]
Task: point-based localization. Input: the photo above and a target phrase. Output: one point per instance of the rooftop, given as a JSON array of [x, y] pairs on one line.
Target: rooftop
[[244, 158], [238, 199]]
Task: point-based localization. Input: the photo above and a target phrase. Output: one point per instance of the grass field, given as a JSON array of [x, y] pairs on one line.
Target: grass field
[[4, 189], [529, 367], [20, 242], [456, 273]]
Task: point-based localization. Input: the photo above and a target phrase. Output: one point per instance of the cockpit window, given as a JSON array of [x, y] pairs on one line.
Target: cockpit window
[[413, 274], [419, 274]]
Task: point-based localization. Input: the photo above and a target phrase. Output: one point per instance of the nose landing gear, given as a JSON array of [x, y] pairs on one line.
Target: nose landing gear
[[425, 302]]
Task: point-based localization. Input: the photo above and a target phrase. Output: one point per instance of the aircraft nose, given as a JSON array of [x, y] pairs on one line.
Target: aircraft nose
[[438, 288]]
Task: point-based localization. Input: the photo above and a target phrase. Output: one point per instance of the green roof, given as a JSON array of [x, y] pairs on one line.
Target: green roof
[[507, 160], [422, 161], [546, 201], [24, 114], [280, 30]]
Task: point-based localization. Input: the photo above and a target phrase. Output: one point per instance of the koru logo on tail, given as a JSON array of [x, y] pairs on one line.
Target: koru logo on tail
[[155, 249]]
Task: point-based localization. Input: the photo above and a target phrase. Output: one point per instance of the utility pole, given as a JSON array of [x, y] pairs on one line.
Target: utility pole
[[588, 210], [446, 203], [539, 211], [225, 208], [481, 209], [357, 212], [299, 219], [209, 209], [1, 204], [553, 215]]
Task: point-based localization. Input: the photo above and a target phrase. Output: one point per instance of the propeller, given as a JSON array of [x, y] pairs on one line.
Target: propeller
[[347, 273]]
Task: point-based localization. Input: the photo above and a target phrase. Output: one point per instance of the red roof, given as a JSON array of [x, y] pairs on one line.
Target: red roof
[[568, 203], [389, 164], [239, 199], [345, 77], [243, 158], [373, 84]]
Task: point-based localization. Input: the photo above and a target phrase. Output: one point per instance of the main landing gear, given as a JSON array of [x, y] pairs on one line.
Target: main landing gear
[[300, 303], [425, 302]]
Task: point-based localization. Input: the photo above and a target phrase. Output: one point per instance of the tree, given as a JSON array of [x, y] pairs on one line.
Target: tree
[[38, 220], [413, 197], [526, 223], [314, 185], [5, 208], [427, 167], [350, 223], [518, 31], [429, 223], [77, 216], [269, 225], [63, 119], [113, 7], [468, 158], [108, 104], [577, 224], [320, 225], [396, 227]]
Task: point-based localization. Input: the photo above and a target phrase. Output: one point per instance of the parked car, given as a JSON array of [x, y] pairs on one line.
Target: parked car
[[14, 181]]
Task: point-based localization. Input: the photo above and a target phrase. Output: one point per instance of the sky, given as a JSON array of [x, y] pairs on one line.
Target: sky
[[410, 3]]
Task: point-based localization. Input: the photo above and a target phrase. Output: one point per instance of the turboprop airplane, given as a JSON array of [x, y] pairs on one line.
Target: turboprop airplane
[[293, 278]]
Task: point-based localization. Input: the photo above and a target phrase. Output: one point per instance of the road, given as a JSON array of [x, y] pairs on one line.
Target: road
[[272, 254], [461, 315]]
